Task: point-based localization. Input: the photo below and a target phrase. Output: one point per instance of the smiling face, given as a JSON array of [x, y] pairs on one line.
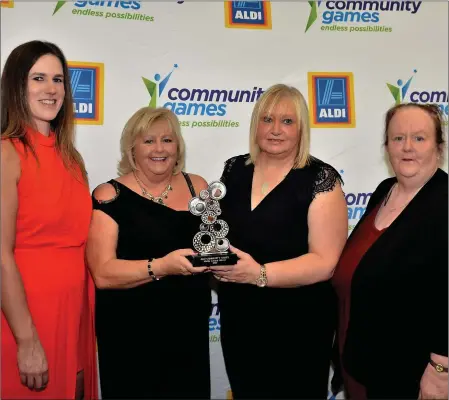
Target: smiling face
[[278, 131], [155, 151], [45, 90], [412, 144]]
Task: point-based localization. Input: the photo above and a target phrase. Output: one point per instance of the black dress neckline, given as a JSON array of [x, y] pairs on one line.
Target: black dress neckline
[[251, 179], [148, 200]]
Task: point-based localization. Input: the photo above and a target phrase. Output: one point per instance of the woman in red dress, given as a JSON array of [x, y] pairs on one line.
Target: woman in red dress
[[48, 338]]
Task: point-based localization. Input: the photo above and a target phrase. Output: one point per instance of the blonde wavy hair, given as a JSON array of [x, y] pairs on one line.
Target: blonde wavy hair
[[137, 125], [265, 104]]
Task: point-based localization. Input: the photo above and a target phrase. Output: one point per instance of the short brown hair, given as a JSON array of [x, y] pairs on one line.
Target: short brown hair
[[433, 110]]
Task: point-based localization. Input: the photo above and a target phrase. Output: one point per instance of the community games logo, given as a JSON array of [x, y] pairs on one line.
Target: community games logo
[[401, 90], [331, 100], [198, 102], [356, 203], [87, 80], [214, 324], [248, 14], [107, 9], [356, 16]]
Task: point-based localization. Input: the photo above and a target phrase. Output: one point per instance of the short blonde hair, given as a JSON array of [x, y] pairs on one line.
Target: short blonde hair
[[265, 104], [138, 125]]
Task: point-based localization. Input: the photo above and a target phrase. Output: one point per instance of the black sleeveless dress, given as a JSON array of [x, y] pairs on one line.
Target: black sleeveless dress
[[153, 340], [277, 342]]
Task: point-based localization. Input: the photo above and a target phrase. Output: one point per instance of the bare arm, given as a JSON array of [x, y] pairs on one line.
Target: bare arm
[[110, 272], [328, 231], [107, 270], [14, 302], [198, 182]]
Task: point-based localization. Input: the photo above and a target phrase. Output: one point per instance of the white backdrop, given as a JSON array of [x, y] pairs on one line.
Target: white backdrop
[[341, 55]]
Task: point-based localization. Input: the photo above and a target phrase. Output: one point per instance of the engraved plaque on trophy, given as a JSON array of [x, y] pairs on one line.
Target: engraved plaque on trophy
[[211, 242]]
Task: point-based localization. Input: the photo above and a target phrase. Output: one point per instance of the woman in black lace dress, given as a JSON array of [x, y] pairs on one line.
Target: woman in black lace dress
[[152, 306], [288, 225]]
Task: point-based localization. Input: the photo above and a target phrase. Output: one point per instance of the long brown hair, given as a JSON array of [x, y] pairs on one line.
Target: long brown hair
[[15, 110]]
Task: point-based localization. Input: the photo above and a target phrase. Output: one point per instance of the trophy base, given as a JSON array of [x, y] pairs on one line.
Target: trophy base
[[213, 259]]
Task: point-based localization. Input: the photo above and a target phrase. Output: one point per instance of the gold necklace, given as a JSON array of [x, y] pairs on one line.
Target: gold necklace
[[156, 199]]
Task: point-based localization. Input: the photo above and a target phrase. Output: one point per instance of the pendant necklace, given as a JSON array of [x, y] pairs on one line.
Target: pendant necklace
[[392, 209], [264, 189]]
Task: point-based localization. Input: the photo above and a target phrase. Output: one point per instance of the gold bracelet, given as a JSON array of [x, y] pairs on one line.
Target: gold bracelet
[[438, 367]]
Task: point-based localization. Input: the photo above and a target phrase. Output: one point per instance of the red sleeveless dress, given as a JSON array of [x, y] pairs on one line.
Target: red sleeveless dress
[[53, 220]]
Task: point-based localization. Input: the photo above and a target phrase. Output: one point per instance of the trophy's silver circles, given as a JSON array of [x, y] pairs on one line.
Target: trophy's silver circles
[[209, 217], [204, 194], [217, 190], [200, 238], [222, 244], [211, 240], [212, 205], [197, 206], [223, 229]]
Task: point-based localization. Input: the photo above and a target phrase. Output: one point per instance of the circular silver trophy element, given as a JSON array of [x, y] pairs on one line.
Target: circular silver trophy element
[[212, 205], [217, 190], [204, 194], [219, 228], [209, 217], [204, 242], [197, 206], [222, 244]]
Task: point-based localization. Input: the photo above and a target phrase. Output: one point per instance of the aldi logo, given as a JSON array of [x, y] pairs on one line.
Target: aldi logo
[[331, 99], [248, 14], [87, 80]]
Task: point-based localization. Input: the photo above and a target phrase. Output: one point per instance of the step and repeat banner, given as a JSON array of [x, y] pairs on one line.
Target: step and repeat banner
[[209, 61]]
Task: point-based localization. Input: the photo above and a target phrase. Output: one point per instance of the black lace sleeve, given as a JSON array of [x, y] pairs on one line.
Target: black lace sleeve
[[227, 169], [326, 180]]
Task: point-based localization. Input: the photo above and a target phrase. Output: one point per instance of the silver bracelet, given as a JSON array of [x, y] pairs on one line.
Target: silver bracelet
[[150, 271]]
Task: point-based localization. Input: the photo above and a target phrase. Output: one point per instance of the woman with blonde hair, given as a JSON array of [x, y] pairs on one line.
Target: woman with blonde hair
[[288, 225], [48, 338], [153, 306]]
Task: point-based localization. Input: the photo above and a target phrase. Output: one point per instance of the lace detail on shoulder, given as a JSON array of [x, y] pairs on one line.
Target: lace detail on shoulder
[[326, 179], [227, 169], [117, 193]]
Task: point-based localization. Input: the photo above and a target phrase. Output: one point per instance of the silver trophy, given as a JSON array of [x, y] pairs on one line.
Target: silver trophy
[[211, 242]]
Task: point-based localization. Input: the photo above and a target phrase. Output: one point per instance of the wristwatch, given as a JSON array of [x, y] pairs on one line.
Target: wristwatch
[[262, 280], [439, 367]]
